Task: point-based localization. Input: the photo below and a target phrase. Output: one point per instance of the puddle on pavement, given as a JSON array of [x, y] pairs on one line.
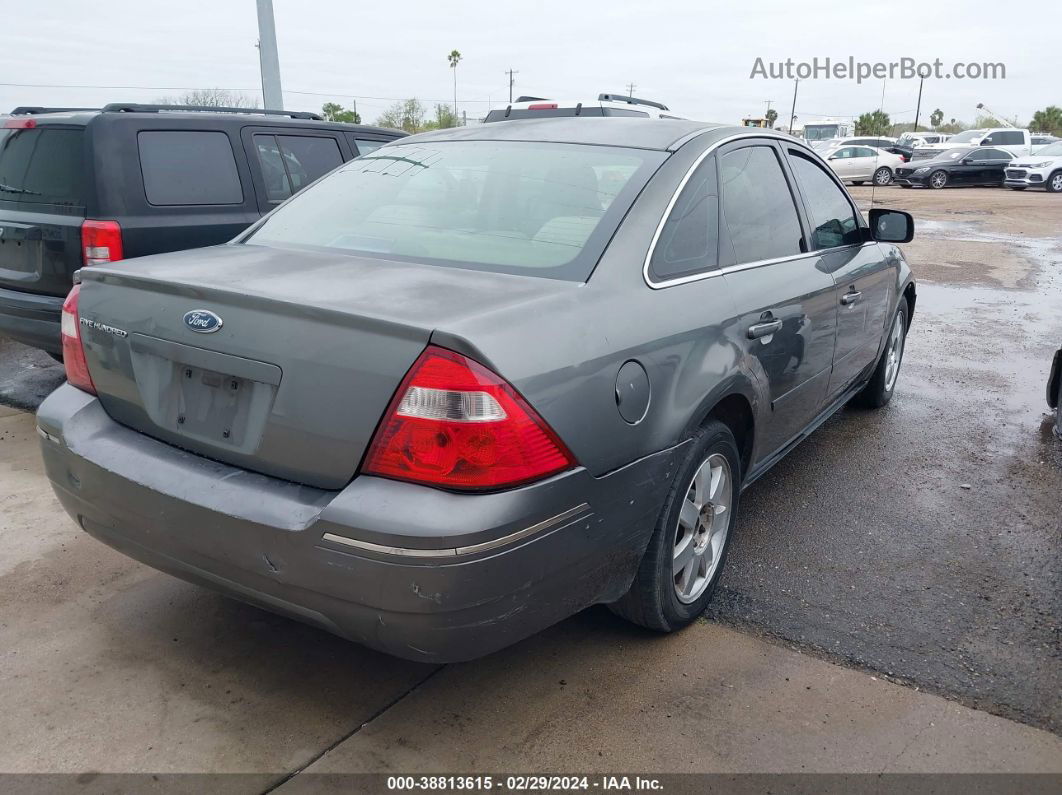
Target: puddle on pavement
[[995, 344]]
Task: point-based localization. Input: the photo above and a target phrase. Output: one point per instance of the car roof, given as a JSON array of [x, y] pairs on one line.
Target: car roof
[[636, 133]]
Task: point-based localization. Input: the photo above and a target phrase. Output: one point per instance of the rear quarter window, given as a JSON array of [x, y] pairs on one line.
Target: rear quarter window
[[42, 165], [188, 167]]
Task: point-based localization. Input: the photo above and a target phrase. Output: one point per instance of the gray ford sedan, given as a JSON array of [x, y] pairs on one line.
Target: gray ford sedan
[[480, 379]]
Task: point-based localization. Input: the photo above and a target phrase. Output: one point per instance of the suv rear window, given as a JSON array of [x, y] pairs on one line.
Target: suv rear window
[[42, 165], [537, 209], [291, 162], [188, 167]]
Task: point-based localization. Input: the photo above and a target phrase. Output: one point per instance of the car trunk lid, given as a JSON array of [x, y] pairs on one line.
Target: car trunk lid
[[287, 359]]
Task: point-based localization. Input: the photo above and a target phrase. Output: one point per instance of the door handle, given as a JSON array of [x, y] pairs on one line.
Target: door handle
[[850, 297], [764, 329]]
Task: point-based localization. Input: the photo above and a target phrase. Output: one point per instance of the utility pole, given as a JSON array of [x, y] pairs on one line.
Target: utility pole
[[792, 113], [918, 107], [769, 102], [269, 60], [512, 80], [630, 89]]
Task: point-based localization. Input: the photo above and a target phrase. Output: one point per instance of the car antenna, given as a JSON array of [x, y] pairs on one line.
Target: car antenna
[[877, 149]]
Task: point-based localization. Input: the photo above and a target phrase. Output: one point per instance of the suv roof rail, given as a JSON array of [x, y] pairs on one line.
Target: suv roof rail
[[530, 99], [126, 107], [631, 101], [33, 110]]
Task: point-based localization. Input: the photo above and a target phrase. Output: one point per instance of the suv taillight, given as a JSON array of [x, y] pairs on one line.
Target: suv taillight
[[455, 424], [73, 354], [101, 241]]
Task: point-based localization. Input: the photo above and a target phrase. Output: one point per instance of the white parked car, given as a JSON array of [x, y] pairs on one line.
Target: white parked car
[[1009, 139], [922, 140], [1042, 169], [859, 164], [1040, 141]]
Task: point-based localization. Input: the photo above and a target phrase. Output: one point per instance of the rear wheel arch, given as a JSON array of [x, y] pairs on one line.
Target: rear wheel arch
[[735, 411], [910, 295]]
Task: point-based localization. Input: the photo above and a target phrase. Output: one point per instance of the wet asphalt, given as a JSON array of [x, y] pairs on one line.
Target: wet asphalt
[[922, 541]]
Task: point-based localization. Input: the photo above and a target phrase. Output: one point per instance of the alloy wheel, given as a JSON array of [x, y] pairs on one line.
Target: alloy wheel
[[939, 179], [1056, 182], [894, 353], [883, 176], [703, 524]]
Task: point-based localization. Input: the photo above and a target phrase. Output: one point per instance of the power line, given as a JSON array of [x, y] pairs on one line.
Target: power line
[[225, 88]]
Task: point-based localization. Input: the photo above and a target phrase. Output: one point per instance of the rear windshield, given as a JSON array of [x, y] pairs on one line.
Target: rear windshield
[[42, 165], [541, 209]]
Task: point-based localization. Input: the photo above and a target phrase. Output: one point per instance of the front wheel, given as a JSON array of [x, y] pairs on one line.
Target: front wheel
[[882, 384], [883, 176], [938, 179], [686, 554], [1054, 183]]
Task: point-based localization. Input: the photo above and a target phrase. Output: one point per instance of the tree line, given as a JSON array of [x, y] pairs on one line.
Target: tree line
[[1048, 121]]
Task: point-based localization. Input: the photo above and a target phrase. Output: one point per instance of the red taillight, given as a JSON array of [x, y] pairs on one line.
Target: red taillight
[[20, 124], [101, 241], [542, 106], [455, 424], [73, 354]]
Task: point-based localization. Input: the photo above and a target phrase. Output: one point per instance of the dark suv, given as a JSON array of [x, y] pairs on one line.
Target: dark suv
[[85, 186]]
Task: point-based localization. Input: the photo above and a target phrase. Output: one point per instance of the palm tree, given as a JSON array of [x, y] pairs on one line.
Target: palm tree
[[1048, 120], [935, 118], [454, 57]]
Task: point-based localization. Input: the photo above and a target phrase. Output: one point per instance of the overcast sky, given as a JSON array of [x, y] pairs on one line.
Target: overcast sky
[[695, 56]]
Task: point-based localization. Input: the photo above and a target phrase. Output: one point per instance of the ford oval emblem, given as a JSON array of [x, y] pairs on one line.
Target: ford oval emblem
[[202, 321]]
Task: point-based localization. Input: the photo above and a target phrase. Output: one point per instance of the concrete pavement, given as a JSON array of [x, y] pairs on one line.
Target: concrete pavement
[[106, 665]]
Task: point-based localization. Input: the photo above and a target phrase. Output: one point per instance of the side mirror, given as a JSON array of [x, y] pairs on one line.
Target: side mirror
[[891, 226], [966, 161], [832, 157]]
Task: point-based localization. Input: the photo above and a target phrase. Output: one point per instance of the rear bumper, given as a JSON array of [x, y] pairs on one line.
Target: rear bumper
[[412, 571], [31, 319]]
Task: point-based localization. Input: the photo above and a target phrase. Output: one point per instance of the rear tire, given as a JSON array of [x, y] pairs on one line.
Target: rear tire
[[883, 176], [687, 552], [882, 384]]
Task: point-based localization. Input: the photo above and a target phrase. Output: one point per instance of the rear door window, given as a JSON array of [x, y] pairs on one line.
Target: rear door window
[[42, 165], [189, 167], [758, 210], [291, 162], [1004, 138]]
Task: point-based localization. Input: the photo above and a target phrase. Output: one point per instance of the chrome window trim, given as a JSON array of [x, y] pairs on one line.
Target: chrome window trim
[[454, 552], [711, 274]]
